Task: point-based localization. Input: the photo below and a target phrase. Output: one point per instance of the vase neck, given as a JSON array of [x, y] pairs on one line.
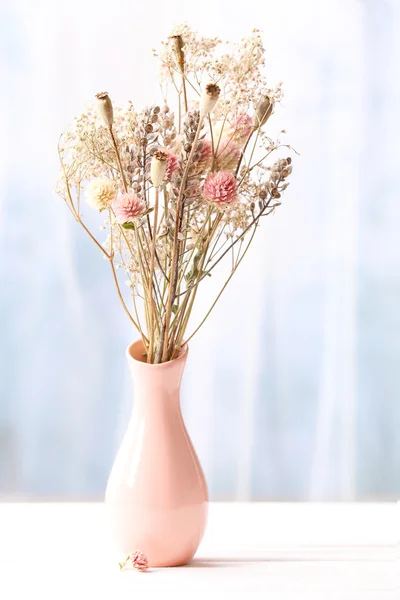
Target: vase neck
[[155, 384]]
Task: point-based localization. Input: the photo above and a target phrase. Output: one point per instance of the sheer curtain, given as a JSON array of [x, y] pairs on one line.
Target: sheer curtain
[[292, 387]]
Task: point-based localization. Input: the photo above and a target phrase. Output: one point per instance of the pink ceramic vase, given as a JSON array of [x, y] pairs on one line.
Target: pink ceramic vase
[[156, 495]]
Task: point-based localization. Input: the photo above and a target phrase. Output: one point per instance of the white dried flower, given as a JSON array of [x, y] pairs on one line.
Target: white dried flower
[[158, 167], [100, 192], [209, 98], [263, 112], [105, 109]]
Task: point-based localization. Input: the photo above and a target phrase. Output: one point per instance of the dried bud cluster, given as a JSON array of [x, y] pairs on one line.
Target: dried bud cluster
[[280, 170], [167, 126], [147, 127], [190, 126], [105, 109]]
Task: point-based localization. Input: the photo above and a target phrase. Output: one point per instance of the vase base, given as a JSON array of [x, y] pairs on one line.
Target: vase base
[[172, 565]]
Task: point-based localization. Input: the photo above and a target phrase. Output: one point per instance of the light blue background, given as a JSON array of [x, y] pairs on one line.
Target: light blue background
[[292, 388]]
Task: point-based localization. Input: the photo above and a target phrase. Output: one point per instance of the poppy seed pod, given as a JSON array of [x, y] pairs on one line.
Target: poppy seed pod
[[105, 109], [209, 98], [177, 43], [263, 112], [158, 167]]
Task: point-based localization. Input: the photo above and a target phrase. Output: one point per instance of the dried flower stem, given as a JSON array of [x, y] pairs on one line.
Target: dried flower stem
[[193, 293], [243, 153], [174, 264], [223, 287], [110, 257], [123, 301], [118, 159], [208, 271], [152, 257], [185, 102]]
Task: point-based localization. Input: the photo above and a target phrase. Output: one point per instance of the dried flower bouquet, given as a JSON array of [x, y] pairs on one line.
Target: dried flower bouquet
[[182, 191]]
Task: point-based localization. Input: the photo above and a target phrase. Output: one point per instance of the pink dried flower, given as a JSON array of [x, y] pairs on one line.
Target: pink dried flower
[[136, 560], [139, 561], [127, 207], [220, 187], [243, 126], [172, 164], [228, 155]]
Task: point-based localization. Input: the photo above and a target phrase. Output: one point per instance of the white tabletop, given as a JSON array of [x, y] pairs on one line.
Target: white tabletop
[[257, 551]]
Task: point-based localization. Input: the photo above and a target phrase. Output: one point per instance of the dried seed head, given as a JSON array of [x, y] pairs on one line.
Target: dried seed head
[[105, 109], [275, 193], [263, 112], [160, 155], [286, 172], [158, 167], [213, 90], [177, 44], [209, 98], [262, 194]]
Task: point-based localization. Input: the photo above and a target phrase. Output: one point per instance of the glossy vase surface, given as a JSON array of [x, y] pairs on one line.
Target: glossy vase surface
[[156, 494]]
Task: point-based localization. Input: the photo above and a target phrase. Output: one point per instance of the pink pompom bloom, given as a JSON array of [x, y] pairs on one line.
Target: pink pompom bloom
[[136, 560], [172, 164], [220, 187], [127, 207]]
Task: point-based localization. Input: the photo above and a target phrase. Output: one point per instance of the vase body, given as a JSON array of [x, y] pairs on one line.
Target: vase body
[[156, 495]]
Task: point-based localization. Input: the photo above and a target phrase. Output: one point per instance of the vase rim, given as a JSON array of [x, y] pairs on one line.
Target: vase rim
[[181, 356]]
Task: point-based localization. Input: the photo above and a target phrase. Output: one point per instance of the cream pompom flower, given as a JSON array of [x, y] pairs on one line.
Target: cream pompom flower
[[220, 187], [100, 193]]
